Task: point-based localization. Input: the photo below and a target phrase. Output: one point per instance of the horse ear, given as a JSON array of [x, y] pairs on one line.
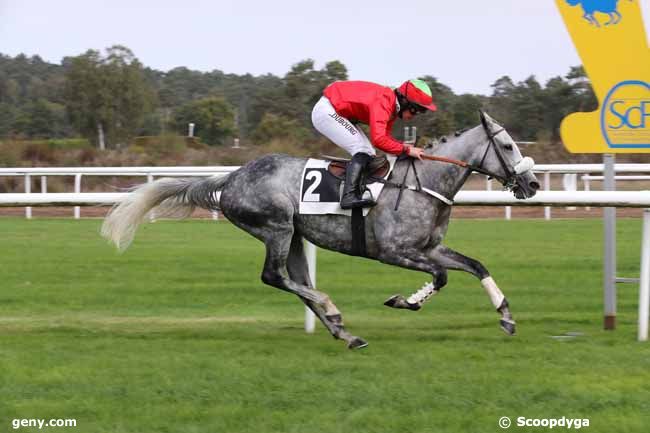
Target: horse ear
[[484, 121]]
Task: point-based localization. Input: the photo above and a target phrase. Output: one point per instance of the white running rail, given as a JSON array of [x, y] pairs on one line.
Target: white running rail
[[151, 172]]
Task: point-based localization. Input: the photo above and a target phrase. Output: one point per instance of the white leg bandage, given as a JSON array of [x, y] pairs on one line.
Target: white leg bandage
[[419, 297], [493, 291]]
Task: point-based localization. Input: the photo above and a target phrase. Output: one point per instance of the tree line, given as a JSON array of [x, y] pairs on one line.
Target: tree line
[[110, 97]]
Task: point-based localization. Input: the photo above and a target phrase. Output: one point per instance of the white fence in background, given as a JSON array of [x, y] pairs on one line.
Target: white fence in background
[[632, 199], [546, 170], [78, 172]]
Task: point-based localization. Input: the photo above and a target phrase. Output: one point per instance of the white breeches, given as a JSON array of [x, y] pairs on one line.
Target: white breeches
[[339, 129]]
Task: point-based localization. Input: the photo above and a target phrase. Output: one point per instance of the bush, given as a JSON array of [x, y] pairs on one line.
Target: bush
[[158, 141], [214, 119], [69, 143], [9, 154], [273, 127], [87, 156], [38, 152]]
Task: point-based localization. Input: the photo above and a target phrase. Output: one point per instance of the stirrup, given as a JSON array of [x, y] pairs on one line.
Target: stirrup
[[356, 202]]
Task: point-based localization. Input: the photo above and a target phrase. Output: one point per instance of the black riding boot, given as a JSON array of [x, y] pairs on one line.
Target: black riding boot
[[352, 194]]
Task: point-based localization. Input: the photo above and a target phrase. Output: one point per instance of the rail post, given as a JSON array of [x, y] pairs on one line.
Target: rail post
[[547, 187], [310, 253], [28, 189], [77, 190], [587, 181], [609, 265], [644, 283]]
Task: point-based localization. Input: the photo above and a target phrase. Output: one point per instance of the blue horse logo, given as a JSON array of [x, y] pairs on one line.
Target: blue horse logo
[[590, 7]]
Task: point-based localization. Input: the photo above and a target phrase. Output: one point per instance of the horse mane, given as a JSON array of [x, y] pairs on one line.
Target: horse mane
[[443, 139]]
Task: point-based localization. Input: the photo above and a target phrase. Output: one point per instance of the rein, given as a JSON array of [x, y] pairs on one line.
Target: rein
[[479, 168], [506, 181]]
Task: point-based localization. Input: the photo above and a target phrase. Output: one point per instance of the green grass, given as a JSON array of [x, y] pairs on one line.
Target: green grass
[[179, 335]]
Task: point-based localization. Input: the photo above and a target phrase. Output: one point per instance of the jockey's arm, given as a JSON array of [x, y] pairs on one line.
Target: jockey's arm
[[380, 136]]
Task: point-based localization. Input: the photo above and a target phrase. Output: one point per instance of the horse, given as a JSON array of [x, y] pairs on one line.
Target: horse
[[262, 198], [589, 7]]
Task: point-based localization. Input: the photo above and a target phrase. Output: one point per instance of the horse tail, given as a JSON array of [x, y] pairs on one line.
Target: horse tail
[[167, 197]]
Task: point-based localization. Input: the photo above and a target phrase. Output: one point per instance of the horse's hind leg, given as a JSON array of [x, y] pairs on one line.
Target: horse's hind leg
[[451, 259], [277, 274], [299, 272]]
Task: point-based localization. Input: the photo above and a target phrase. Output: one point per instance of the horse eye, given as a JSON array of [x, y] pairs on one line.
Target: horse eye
[[507, 146]]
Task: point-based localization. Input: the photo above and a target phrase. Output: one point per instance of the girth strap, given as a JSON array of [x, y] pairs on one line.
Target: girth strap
[[403, 184], [358, 226]]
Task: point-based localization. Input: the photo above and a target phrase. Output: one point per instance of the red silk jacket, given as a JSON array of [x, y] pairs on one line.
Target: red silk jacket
[[367, 103]]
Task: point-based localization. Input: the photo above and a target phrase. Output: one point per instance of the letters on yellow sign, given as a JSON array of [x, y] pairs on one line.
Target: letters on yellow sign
[[610, 38]]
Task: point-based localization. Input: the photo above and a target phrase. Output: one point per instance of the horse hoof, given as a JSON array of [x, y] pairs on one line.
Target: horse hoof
[[508, 326], [357, 343], [394, 301], [398, 301]]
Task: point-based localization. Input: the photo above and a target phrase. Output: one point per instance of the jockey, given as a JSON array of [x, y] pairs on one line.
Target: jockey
[[345, 103]]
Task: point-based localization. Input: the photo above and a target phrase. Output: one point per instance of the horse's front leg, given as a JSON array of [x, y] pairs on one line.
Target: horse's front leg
[[417, 261], [451, 259]]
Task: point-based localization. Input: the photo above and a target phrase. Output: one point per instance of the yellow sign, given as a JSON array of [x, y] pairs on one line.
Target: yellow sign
[[610, 38]]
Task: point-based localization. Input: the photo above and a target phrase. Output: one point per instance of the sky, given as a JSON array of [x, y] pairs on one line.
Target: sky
[[465, 44]]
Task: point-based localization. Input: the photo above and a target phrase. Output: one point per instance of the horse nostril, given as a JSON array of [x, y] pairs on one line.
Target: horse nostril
[[534, 185]]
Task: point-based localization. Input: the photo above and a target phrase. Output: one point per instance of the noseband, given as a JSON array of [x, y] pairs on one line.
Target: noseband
[[509, 180]]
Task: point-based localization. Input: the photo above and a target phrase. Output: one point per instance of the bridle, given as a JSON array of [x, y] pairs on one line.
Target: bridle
[[508, 181]]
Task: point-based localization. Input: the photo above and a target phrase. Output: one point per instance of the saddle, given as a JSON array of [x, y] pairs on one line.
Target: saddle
[[377, 168]]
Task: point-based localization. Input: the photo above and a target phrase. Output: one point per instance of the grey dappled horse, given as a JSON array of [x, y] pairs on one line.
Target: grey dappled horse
[[262, 198]]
